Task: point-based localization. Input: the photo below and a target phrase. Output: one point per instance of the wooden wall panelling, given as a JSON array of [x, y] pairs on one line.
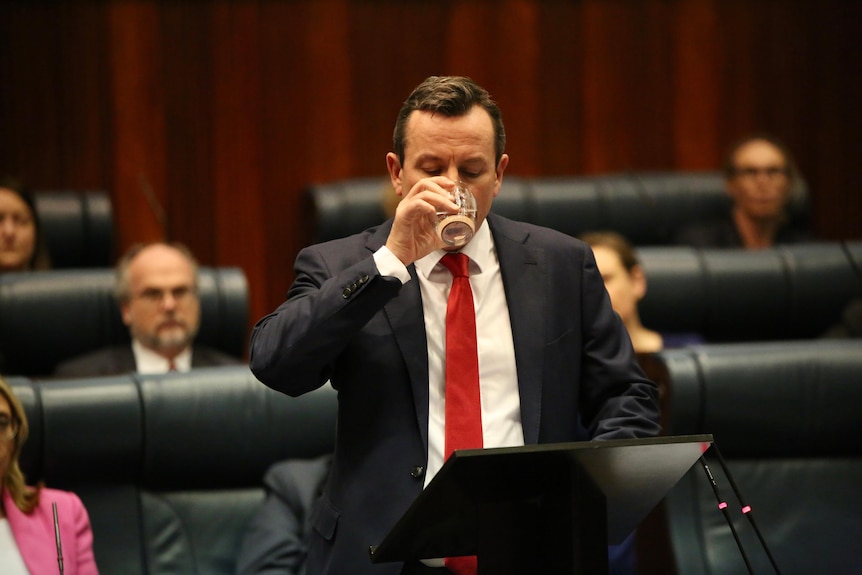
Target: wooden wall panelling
[[224, 111]]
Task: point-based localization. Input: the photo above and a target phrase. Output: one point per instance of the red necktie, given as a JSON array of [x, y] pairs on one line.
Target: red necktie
[[463, 408]]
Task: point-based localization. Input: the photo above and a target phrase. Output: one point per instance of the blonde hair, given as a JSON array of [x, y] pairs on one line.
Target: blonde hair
[[26, 498]]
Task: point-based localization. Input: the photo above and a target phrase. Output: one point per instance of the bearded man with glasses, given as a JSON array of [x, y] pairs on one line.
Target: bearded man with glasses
[[157, 290]]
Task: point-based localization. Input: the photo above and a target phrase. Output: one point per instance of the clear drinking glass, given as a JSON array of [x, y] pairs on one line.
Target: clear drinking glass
[[457, 229]]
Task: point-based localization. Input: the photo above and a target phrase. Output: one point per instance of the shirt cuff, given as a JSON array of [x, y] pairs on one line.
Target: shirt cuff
[[389, 265]]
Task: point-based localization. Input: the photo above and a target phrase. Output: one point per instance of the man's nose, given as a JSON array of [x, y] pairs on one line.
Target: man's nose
[[7, 227], [452, 174], [169, 301]]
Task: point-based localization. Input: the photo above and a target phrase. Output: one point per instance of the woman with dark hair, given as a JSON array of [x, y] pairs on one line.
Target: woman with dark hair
[[27, 536], [760, 178], [22, 246]]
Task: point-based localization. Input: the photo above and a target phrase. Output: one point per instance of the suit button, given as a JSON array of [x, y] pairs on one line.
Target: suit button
[[363, 279], [346, 293], [417, 472]]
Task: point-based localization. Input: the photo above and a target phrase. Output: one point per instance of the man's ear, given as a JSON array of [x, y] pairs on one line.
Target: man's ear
[[393, 166], [126, 312], [501, 167], [639, 282]]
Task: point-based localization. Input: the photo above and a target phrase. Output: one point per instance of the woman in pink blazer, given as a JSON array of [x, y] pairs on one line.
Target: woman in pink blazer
[[27, 513]]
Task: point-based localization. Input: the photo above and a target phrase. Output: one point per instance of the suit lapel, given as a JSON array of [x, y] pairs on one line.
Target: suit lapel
[[408, 326], [525, 283], [524, 280]]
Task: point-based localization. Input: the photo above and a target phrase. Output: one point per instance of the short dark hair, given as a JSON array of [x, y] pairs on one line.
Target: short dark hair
[[451, 96]]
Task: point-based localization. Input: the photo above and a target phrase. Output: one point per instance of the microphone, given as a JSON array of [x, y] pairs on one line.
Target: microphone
[[722, 505], [57, 536], [746, 509]]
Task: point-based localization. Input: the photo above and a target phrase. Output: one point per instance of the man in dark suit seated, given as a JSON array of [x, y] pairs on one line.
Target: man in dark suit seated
[[275, 539], [157, 290]]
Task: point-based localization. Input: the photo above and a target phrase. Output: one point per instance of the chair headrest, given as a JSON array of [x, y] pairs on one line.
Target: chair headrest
[[78, 226], [50, 316], [769, 398]]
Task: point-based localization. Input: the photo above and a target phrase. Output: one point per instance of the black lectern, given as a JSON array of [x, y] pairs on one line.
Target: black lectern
[[549, 509]]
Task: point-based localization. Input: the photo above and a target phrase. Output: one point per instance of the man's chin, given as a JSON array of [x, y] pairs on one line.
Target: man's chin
[[172, 341]]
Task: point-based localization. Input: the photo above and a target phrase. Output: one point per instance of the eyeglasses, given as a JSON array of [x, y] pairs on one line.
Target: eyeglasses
[[769, 171], [155, 296], [8, 428]]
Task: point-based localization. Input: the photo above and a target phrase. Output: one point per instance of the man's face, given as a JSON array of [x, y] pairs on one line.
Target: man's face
[[459, 148], [163, 309], [760, 188], [624, 288], [17, 232]]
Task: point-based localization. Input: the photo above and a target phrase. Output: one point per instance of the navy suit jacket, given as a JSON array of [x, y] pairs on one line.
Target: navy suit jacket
[[119, 359], [365, 333]]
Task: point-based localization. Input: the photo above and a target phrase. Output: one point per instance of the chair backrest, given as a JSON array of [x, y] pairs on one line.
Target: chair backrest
[[50, 316], [169, 466], [78, 226], [785, 418], [787, 292], [647, 207]]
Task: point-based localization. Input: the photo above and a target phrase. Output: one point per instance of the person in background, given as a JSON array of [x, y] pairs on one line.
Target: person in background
[[849, 324], [368, 313], [626, 283], [22, 246], [275, 541], [157, 290], [28, 545], [760, 175]]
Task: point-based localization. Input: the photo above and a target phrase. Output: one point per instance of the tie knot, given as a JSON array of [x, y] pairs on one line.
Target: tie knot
[[457, 263]]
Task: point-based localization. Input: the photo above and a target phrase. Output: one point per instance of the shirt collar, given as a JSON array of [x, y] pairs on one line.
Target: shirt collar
[[148, 361], [480, 250]]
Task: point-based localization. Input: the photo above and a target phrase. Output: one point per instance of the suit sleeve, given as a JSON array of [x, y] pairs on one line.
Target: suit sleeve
[[618, 401], [292, 349]]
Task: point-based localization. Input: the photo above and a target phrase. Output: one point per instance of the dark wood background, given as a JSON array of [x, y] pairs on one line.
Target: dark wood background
[[207, 119]]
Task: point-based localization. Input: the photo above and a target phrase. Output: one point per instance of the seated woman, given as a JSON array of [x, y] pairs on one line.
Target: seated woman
[[22, 246], [759, 178], [28, 543], [626, 284]]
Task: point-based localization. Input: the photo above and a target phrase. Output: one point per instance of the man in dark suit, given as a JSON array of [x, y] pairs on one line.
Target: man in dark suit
[[368, 313], [275, 539], [157, 289]]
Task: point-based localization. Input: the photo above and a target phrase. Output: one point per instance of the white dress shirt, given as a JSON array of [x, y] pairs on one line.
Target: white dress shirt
[[148, 361], [501, 410], [11, 562]]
